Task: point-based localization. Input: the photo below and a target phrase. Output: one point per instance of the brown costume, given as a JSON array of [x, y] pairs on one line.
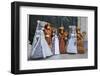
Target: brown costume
[[62, 40], [48, 34], [80, 42], [66, 39]]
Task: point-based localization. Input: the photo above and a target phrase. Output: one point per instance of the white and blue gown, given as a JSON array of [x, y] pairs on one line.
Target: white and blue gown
[[41, 49], [72, 44], [55, 45]]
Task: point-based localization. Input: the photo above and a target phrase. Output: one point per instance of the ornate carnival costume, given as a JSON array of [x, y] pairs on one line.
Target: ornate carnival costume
[[62, 40], [48, 34], [80, 42], [40, 48], [72, 42], [55, 43]]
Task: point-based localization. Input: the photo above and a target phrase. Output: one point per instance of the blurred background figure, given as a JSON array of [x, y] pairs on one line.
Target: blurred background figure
[[72, 41], [62, 40], [55, 42], [80, 41]]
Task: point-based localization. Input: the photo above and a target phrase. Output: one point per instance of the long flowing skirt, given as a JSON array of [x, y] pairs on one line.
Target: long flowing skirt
[[46, 49], [62, 46], [55, 45], [41, 49], [72, 46]]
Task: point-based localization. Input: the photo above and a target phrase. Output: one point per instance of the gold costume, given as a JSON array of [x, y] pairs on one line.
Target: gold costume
[[62, 36], [80, 42], [48, 33]]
